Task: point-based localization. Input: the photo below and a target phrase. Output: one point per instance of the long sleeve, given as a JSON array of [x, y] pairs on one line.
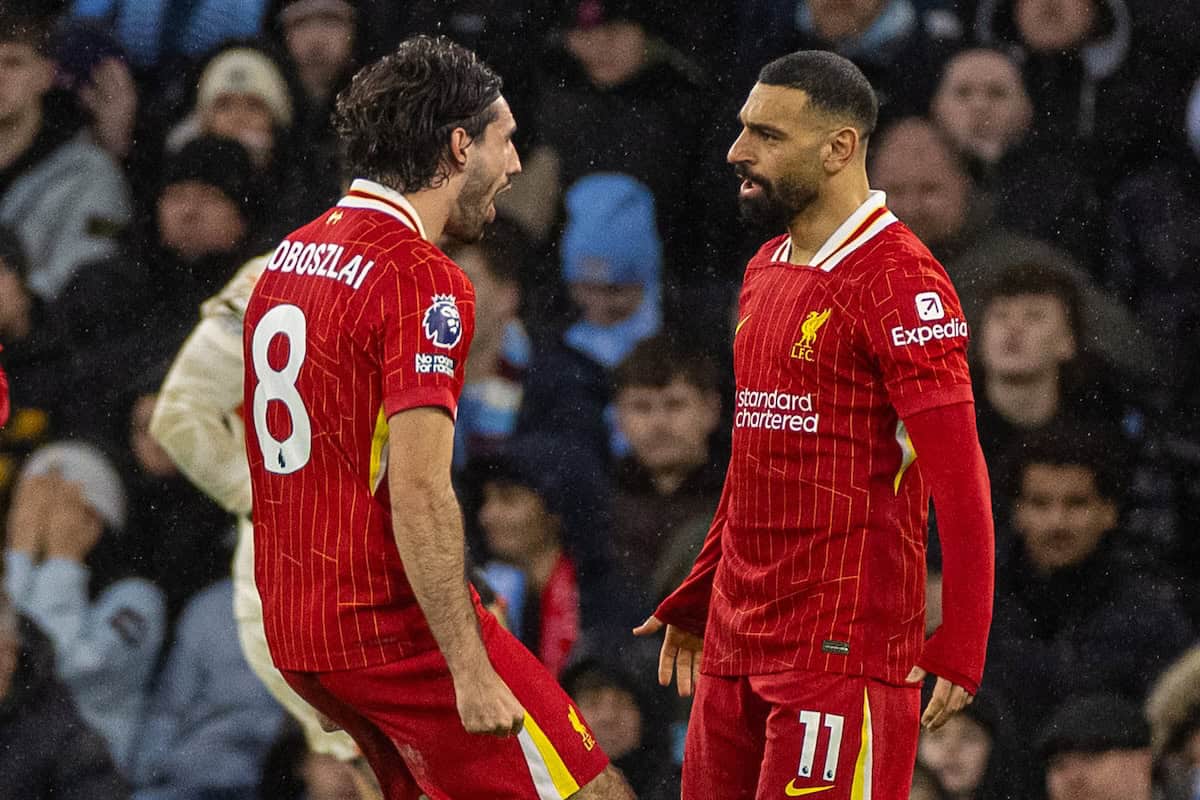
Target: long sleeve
[[687, 606], [950, 458], [196, 418]]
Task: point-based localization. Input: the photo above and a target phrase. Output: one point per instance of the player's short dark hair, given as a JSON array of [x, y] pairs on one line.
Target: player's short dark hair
[[1100, 453], [1036, 278], [396, 117], [507, 251], [658, 362], [833, 85]]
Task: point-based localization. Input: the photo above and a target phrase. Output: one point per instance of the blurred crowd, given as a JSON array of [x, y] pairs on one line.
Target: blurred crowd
[[1047, 152]]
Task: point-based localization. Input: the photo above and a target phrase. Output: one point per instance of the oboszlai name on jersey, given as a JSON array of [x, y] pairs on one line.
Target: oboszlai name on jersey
[[322, 260]]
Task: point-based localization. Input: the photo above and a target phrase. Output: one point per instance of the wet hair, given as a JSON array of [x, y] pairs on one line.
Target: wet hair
[[396, 117], [833, 85], [1103, 455], [658, 362], [1033, 278]]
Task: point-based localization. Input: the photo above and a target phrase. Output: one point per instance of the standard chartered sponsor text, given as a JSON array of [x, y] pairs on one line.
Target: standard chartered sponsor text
[[776, 411]]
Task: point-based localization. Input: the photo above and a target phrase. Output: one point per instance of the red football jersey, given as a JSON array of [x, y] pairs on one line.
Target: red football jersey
[[355, 318], [819, 542]]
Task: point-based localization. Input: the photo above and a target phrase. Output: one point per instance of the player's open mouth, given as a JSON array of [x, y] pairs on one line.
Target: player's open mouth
[[750, 188]]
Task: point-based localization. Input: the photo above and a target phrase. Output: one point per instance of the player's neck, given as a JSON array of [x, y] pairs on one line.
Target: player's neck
[[812, 227], [433, 207], [1027, 402]]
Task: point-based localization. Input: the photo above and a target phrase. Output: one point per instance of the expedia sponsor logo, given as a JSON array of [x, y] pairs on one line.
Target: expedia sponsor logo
[[776, 411], [953, 329]]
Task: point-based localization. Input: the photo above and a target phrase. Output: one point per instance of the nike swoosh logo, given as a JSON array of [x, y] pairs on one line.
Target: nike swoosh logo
[[741, 322], [791, 791]]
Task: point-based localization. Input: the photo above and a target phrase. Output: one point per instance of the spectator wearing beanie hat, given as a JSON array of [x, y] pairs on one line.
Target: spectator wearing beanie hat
[[66, 570], [243, 96], [1097, 747], [612, 264]]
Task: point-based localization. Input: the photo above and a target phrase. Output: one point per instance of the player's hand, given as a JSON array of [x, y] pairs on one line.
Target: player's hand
[[680, 654], [947, 700], [486, 705]]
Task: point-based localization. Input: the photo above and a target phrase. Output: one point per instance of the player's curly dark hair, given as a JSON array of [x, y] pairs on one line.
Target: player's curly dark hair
[[396, 116]]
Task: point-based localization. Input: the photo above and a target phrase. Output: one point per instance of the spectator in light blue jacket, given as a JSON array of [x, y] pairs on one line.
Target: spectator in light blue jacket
[[65, 570], [211, 721]]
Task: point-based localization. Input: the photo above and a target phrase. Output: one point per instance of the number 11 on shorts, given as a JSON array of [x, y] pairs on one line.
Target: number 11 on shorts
[[814, 722]]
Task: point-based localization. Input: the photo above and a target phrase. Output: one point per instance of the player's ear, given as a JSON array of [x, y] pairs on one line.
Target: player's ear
[[460, 140], [842, 147]]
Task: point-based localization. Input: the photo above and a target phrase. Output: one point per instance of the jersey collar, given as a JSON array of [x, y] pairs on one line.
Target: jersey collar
[[377, 197], [859, 228]]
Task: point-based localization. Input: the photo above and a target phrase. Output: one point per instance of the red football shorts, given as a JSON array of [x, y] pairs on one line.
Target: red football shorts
[[404, 718], [801, 734]]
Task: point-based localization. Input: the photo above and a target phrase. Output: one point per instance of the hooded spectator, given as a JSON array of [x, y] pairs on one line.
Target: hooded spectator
[[612, 265]]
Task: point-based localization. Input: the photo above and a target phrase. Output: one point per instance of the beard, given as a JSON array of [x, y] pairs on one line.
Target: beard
[[777, 203], [470, 214]]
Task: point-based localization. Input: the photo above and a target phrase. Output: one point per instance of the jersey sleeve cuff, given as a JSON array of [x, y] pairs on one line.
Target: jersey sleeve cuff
[[923, 401], [419, 397]]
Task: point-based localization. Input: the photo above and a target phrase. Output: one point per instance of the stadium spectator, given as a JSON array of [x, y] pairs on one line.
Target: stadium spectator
[[293, 771], [641, 100], [1034, 183], [525, 504], [1074, 612], [204, 215], [161, 33], [1173, 711], [59, 191], [500, 350], [668, 409], [184, 538], [1153, 241], [210, 722], [1096, 747], [1035, 374], [47, 751], [929, 187], [321, 42], [898, 46], [973, 755], [612, 265], [627, 724], [981, 104], [65, 567], [925, 785], [93, 66]]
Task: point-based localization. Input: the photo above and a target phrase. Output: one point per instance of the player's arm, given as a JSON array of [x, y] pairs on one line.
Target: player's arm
[[952, 462], [428, 527], [685, 611]]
